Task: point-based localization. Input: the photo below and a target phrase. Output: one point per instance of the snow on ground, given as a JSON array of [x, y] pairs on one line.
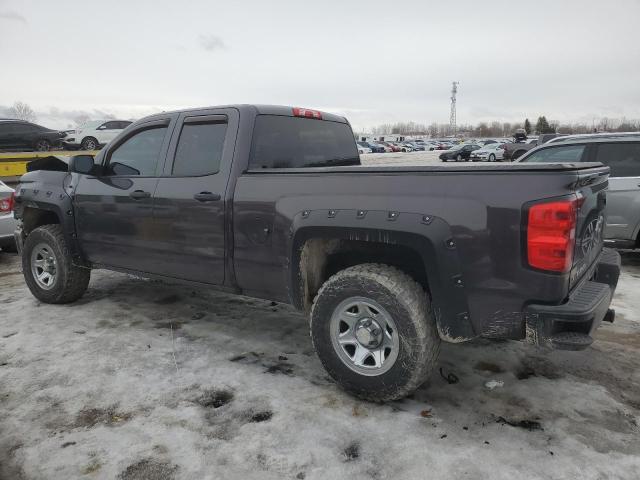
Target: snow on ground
[[143, 380]]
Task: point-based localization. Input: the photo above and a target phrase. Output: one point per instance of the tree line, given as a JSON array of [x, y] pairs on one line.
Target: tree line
[[507, 129]]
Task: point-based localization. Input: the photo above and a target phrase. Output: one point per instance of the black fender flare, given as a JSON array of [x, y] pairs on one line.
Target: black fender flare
[[52, 197], [428, 235]]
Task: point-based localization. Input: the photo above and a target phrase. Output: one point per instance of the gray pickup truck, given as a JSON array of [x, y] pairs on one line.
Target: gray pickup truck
[[272, 202]]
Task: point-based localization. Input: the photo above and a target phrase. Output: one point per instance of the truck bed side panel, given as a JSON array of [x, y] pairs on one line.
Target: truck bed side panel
[[482, 210]]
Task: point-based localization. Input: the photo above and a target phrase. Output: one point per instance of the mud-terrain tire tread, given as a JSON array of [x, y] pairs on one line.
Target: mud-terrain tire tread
[[74, 280], [414, 300]]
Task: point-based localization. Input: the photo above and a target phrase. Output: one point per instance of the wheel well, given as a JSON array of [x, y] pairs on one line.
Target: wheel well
[[321, 258], [33, 218]]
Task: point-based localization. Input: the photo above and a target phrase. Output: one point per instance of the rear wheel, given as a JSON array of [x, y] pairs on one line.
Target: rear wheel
[[492, 158], [372, 328], [48, 269]]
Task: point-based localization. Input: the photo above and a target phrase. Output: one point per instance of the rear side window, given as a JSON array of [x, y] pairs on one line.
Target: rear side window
[[569, 154], [622, 158], [199, 150], [295, 142]]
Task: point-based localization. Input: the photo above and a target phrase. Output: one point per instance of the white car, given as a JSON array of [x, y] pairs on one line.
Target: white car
[[95, 134], [362, 149], [491, 152], [7, 222]]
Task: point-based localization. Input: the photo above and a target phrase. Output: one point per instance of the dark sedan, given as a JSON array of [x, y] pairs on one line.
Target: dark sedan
[[20, 135], [459, 153]]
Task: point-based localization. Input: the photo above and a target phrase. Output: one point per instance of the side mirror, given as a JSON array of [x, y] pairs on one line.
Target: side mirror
[[82, 164]]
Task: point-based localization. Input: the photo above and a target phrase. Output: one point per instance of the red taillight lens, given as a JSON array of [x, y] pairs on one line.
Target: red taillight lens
[[6, 204], [305, 112], [551, 232]]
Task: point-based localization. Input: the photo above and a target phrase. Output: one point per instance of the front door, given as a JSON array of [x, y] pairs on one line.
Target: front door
[[114, 210], [190, 201], [623, 197]]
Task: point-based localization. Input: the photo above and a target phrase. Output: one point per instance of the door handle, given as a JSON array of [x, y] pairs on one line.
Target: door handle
[[207, 197], [139, 194]]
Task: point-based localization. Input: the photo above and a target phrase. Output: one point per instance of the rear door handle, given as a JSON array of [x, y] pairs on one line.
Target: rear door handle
[[139, 194], [207, 197]]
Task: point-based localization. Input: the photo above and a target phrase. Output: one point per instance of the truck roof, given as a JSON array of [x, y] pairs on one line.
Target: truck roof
[[258, 109]]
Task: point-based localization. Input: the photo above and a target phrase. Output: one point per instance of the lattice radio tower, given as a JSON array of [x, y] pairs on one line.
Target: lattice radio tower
[[452, 118]]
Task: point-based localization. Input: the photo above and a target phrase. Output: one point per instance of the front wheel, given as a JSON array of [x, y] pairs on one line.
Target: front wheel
[[459, 158], [43, 145], [372, 328], [48, 268], [492, 158], [89, 143]]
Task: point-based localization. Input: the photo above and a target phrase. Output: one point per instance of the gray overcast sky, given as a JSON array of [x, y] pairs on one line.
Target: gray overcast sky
[[372, 61]]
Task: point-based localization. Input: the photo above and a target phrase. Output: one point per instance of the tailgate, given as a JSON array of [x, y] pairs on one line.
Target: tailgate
[[591, 187]]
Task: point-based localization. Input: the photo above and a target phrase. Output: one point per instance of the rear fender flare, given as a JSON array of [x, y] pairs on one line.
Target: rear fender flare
[[428, 235]]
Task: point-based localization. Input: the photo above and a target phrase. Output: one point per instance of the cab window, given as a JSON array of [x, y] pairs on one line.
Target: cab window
[[138, 155]]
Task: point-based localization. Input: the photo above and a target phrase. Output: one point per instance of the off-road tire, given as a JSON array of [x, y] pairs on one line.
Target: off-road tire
[[71, 281], [406, 301]]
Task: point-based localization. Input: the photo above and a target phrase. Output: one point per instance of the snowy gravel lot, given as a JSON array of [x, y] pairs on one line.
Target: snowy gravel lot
[[141, 379]]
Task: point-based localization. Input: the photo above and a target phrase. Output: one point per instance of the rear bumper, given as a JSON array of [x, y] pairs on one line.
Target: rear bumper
[[570, 326]]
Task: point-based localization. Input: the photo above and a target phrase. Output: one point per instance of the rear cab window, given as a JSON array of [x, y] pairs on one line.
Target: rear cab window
[[296, 142]]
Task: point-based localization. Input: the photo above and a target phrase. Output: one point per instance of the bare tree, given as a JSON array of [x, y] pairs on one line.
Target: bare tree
[[22, 111]]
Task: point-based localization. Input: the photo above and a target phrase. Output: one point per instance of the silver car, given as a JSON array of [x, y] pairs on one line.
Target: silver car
[[7, 222], [622, 154]]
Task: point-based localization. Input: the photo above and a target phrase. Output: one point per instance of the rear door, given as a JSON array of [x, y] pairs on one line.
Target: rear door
[[190, 201], [113, 211], [623, 197], [108, 131]]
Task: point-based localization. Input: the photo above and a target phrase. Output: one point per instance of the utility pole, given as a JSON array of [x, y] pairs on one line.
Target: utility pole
[[452, 117]]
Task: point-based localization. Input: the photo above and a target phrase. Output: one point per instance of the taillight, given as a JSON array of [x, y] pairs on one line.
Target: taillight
[[551, 232], [6, 204], [307, 113]]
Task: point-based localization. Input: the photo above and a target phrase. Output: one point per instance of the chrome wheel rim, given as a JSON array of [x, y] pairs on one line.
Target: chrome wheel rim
[[364, 336], [44, 266]]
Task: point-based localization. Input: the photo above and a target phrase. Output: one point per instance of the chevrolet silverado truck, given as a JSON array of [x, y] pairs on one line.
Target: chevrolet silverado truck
[[272, 202]]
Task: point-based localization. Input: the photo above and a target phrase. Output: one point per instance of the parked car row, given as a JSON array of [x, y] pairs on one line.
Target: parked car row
[[19, 135]]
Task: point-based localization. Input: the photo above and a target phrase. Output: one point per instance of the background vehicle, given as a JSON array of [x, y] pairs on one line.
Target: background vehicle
[[95, 134], [7, 222], [459, 153], [415, 147], [387, 148], [518, 148], [362, 150], [489, 153], [18, 135], [272, 202], [622, 154], [392, 146], [372, 146]]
